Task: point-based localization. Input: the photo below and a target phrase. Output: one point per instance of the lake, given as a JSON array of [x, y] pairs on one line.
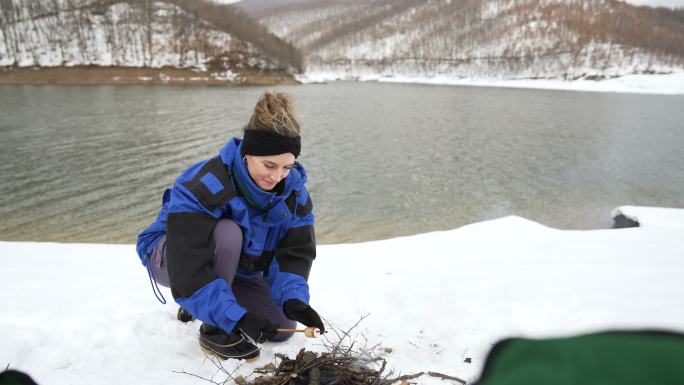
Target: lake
[[89, 163]]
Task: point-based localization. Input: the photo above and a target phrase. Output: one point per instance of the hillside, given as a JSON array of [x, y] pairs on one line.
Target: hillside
[[502, 39], [219, 42]]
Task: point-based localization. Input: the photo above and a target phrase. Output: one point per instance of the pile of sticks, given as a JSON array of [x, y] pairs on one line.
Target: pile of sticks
[[309, 368], [341, 364]]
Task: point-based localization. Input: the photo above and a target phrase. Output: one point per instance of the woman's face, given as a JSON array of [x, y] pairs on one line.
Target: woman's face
[[267, 171]]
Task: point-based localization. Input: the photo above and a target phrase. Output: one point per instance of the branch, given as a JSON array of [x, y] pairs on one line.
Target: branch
[[376, 381], [445, 377], [345, 335], [432, 374], [200, 377], [219, 368]]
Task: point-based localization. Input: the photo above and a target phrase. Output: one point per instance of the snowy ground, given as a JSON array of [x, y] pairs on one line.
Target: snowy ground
[[670, 84], [84, 313]]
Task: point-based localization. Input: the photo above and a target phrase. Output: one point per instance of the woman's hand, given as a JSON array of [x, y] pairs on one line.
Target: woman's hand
[[258, 329], [299, 311]]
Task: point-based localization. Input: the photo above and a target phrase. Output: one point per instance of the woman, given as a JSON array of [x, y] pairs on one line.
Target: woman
[[234, 239]]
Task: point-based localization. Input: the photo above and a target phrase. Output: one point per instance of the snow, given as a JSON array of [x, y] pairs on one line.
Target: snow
[[84, 313], [665, 84], [110, 39], [651, 216], [657, 3], [483, 42]]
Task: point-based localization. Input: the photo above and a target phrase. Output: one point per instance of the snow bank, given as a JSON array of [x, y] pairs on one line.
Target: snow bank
[[652, 216], [84, 313], [657, 3], [667, 84]]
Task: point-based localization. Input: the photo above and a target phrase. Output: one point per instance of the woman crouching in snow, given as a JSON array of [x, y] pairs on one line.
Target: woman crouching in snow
[[234, 239]]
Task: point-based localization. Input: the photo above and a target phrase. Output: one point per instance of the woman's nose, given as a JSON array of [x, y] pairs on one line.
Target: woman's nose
[[276, 176]]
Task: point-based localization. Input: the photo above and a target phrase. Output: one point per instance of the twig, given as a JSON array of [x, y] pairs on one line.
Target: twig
[[350, 348], [405, 377], [376, 381], [346, 334], [445, 377], [200, 377], [219, 368], [432, 374], [331, 328]]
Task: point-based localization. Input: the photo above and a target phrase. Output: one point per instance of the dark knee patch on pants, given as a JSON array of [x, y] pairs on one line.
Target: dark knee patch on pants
[[254, 295]]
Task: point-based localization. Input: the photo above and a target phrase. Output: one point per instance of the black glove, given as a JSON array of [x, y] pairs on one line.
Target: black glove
[[299, 311], [258, 329]]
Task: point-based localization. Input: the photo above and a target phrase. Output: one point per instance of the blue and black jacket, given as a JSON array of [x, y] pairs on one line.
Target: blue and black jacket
[[277, 229]]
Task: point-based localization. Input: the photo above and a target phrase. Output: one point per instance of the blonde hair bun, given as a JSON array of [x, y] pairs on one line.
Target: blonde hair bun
[[275, 112]]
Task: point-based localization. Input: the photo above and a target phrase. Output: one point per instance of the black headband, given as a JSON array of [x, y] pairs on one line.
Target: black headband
[[265, 143]]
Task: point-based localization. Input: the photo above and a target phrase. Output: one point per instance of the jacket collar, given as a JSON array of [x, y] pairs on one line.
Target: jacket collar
[[256, 197]]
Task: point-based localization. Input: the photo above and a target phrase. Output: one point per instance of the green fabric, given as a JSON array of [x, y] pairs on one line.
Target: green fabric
[[15, 377], [244, 192], [621, 358]]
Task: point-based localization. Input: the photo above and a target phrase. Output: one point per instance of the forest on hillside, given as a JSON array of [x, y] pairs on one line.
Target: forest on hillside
[[524, 37], [184, 28]]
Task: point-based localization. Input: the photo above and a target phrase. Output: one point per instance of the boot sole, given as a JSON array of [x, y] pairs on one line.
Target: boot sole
[[249, 357]]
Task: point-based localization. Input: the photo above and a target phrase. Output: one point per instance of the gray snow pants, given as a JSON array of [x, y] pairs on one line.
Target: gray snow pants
[[252, 294]]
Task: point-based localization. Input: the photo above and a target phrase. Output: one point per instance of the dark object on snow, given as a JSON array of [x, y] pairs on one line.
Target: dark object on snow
[[215, 341], [299, 311], [614, 357], [256, 328], [336, 367], [184, 316], [620, 221], [468, 360], [15, 377]]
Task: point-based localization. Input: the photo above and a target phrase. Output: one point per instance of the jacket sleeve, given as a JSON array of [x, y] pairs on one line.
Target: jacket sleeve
[[194, 211], [295, 254], [148, 238]]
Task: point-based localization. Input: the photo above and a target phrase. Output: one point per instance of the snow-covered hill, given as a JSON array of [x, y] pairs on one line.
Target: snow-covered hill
[[77, 313], [492, 39], [195, 34]]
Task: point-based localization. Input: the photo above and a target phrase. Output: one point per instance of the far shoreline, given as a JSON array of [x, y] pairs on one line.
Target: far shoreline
[[653, 84], [98, 75]]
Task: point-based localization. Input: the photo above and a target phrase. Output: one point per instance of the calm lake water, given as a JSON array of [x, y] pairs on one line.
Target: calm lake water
[[89, 164]]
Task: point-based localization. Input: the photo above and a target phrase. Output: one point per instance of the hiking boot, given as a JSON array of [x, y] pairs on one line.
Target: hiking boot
[[184, 316], [216, 341]]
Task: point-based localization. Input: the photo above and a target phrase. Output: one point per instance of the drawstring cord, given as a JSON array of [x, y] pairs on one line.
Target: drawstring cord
[[153, 282]]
